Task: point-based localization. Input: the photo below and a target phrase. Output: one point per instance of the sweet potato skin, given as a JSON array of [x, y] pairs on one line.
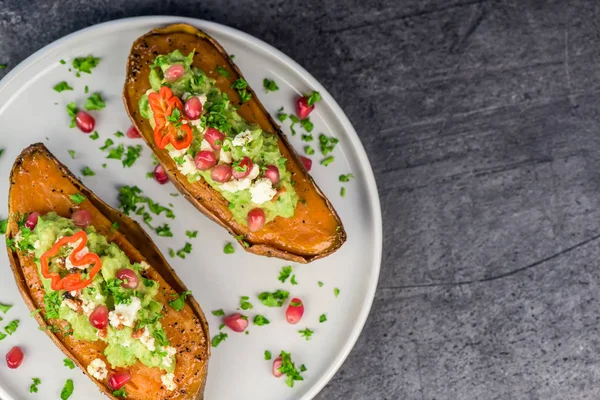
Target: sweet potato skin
[[314, 232], [39, 182]]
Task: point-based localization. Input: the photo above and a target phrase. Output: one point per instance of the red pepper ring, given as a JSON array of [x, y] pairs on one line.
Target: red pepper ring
[[163, 104], [71, 281]]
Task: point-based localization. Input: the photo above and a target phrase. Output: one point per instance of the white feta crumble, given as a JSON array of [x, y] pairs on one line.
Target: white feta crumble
[[147, 340], [144, 265], [71, 304], [178, 153], [254, 172], [125, 313], [225, 156], [87, 306], [37, 244], [204, 145], [168, 359], [97, 369], [196, 123], [242, 138], [99, 296], [167, 380], [236, 185], [262, 191]]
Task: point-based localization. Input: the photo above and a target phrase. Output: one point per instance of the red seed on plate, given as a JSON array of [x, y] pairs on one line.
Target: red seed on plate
[[272, 172], [117, 380], [32, 220], [174, 72], [295, 311], [129, 278], [236, 322], [99, 317], [307, 162], [205, 160], [243, 168], [160, 175], [133, 133], [81, 218], [192, 108], [276, 365], [302, 108], [215, 138], [14, 357], [256, 219], [221, 173], [85, 122]]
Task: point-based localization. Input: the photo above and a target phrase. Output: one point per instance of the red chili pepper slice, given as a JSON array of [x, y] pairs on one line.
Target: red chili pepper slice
[[163, 104], [72, 281]]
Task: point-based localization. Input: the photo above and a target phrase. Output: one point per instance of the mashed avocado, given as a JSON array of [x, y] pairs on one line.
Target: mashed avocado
[[241, 139], [134, 331]]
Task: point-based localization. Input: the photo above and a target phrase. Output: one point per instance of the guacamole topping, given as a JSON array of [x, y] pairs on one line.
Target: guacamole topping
[[200, 128], [131, 327]]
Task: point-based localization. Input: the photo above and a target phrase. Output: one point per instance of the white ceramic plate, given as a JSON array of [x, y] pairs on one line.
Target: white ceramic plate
[[31, 111]]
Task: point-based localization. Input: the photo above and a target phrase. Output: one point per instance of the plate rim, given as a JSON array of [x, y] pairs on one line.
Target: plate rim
[[358, 148]]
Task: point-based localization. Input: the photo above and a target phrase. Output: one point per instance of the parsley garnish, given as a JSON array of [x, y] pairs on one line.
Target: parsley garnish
[[34, 386], [148, 282], [3, 226], [86, 171], [307, 125], [117, 152], [245, 96], [52, 302], [343, 192], [322, 318], [223, 72], [5, 307], [67, 390], [94, 102], [62, 86], [86, 89], [133, 153], [293, 280], [72, 110], [179, 303], [313, 98], [307, 138], [239, 84], [327, 161], [346, 178], [191, 234], [270, 85], [274, 299], [281, 116], [12, 326], [294, 120], [120, 393], [228, 249], [244, 303], [306, 333], [217, 339], [161, 336], [187, 249], [109, 142], [85, 64], [218, 313], [171, 253], [77, 198], [34, 312], [63, 62], [336, 292], [175, 118], [327, 144], [267, 355], [309, 150], [69, 363], [3, 66], [114, 226], [119, 134], [94, 136], [164, 231], [289, 369], [285, 273], [260, 320]]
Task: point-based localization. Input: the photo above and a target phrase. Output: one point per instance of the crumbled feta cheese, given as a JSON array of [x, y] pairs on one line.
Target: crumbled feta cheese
[[188, 166], [74, 293], [254, 172], [99, 296], [147, 340], [196, 123], [168, 359], [204, 145], [125, 313], [87, 306], [203, 100], [262, 191], [242, 138], [185, 96], [37, 244], [178, 153], [97, 369], [225, 156], [236, 185], [126, 343], [71, 304], [167, 380], [144, 265]]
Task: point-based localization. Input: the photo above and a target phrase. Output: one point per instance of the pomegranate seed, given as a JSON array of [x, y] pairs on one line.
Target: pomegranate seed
[[243, 168], [272, 172], [14, 357], [215, 138], [205, 160], [193, 108], [174, 72], [276, 365], [302, 108], [221, 173], [32, 220], [307, 162], [294, 312], [160, 175], [133, 133], [81, 218], [117, 380], [129, 278], [236, 322], [99, 317], [256, 219], [85, 122]]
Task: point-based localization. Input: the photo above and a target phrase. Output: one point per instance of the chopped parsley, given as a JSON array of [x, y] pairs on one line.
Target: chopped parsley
[[116, 153], [3, 226], [120, 393], [69, 363], [274, 299], [242, 88], [85, 64], [270, 85], [346, 178], [294, 120], [307, 125], [86, 89], [77, 198], [267, 355], [309, 150], [328, 160], [289, 369], [94, 136], [228, 249], [5, 307], [12, 326], [244, 303], [191, 234], [52, 302], [62, 86], [343, 192], [34, 386], [322, 318], [63, 62], [171, 253], [94, 102], [109, 142], [218, 313], [223, 72], [336, 292], [306, 333], [86, 171], [187, 249], [119, 134], [67, 390], [320, 284], [293, 280], [1, 151], [260, 320], [114, 226], [72, 110], [307, 138], [133, 153], [164, 231], [312, 98], [285, 273], [3, 66], [179, 303], [327, 144], [34, 312], [303, 368], [217, 339], [281, 116]]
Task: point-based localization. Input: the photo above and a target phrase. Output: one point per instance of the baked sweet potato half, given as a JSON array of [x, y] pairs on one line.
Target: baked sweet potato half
[[208, 147], [115, 307]]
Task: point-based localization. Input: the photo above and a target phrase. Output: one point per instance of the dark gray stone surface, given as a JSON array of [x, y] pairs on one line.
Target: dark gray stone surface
[[481, 120]]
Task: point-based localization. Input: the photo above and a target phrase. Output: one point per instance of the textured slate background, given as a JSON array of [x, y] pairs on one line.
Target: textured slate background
[[481, 121]]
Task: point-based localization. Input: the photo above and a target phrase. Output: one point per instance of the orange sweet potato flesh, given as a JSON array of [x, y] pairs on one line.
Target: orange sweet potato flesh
[[314, 232], [39, 182]]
